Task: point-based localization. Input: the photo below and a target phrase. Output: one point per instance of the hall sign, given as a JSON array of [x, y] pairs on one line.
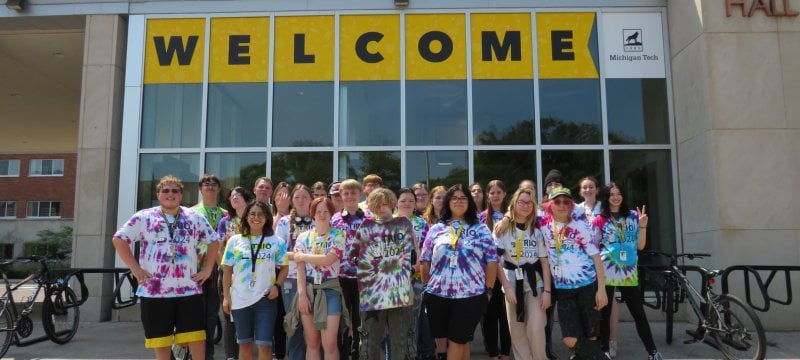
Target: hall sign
[[435, 47]]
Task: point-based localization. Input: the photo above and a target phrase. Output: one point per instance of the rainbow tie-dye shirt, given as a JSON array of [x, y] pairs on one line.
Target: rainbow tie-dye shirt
[[382, 252], [283, 230], [571, 265], [619, 254], [309, 242], [349, 223], [459, 272], [248, 286]]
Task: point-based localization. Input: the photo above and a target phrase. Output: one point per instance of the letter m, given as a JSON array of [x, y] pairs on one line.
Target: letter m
[[491, 44], [165, 53]]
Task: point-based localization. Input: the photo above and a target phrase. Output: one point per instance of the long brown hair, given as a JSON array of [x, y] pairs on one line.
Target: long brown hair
[[430, 214], [489, 208]]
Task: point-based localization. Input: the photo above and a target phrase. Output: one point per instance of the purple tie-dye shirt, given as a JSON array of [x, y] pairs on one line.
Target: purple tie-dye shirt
[[170, 260], [461, 272], [572, 267], [382, 252], [349, 223]]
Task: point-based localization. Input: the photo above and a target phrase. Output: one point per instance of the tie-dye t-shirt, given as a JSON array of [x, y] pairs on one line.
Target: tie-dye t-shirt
[[619, 255], [249, 286], [521, 247], [383, 254], [214, 215], [461, 272], [497, 215], [349, 223], [309, 242], [284, 231], [580, 213], [170, 260], [571, 265]]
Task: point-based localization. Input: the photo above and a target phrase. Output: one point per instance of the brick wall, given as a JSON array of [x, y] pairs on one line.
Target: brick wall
[[25, 188]]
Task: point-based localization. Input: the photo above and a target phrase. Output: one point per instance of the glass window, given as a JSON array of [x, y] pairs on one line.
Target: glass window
[[171, 115], [511, 167], [356, 165], [8, 209], [502, 112], [570, 111], [437, 168], [9, 167], [637, 111], [646, 179], [236, 169], [574, 165], [46, 167], [369, 113], [303, 114], [48, 209], [436, 112], [7, 251], [302, 167], [152, 167], [237, 114]]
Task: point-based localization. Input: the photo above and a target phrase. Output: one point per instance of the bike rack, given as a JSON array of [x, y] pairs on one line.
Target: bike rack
[[763, 287], [121, 276]]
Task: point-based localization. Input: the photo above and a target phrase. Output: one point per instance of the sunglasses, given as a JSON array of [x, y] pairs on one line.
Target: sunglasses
[[167, 191]]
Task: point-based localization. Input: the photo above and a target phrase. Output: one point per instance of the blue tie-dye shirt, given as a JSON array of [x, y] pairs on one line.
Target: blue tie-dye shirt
[[571, 266], [620, 270]]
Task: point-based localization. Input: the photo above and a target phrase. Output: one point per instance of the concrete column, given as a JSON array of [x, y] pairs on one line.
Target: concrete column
[[99, 137]]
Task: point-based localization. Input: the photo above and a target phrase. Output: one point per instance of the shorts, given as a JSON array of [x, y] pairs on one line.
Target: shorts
[[179, 316], [576, 313], [256, 321], [334, 302], [454, 319]]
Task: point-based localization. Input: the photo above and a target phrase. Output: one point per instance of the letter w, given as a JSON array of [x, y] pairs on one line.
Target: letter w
[[490, 43], [176, 47]]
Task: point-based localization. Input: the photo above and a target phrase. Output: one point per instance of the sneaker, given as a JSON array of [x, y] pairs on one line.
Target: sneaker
[[608, 355], [655, 356], [612, 349]]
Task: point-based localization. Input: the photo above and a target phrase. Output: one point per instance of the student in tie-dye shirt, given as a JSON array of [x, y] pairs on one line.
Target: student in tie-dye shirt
[[459, 265], [495, 322], [249, 282], [166, 269], [318, 253], [349, 220], [382, 252], [622, 233], [289, 228], [577, 269]]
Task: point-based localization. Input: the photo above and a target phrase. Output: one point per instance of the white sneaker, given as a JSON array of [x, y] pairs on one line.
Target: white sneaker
[[612, 349], [655, 356]]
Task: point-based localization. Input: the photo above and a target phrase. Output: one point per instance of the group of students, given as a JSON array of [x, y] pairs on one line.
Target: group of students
[[407, 275]]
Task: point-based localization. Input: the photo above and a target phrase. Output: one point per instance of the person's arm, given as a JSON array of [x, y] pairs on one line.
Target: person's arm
[[547, 279], [208, 263], [319, 260], [425, 272], [126, 255], [491, 276], [227, 275], [275, 290], [601, 300], [511, 296], [642, 228]]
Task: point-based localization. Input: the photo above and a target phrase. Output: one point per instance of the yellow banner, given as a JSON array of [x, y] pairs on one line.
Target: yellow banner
[[304, 48], [369, 47], [501, 46], [239, 50], [174, 51], [436, 47], [563, 45]]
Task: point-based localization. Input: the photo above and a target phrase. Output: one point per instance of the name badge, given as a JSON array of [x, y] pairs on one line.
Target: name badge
[[253, 280], [318, 279], [171, 253], [557, 271], [518, 273], [623, 255], [454, 260]]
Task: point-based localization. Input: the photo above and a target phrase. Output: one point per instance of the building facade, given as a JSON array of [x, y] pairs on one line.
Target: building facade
[[671, 99]]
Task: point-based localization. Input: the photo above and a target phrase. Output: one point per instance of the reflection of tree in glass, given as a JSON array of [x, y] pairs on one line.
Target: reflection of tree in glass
[[249, 174], [557, 131], [615, 137], [509, 166], [574, 164], [302, 167], [457, 175], [384, 163], [520, 133]]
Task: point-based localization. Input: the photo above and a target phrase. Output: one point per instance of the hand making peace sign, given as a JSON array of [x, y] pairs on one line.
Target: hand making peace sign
[[642, 216]]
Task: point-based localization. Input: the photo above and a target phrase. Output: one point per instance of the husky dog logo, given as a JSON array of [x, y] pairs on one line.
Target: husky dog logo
[[632, 40]]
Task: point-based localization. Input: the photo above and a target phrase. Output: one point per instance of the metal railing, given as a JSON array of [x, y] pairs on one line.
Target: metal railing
[[753, 271]]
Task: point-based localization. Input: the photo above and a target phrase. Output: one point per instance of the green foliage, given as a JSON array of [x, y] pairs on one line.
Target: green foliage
[[49, 242]]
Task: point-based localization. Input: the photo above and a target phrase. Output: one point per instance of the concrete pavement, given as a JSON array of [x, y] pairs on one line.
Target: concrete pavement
[[124, 340]]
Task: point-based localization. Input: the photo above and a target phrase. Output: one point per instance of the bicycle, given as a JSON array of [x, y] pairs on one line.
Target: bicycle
[[60, 314], [734, 327]]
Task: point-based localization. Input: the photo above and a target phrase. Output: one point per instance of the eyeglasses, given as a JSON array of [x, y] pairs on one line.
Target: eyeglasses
[[210, 184], [167, 191], [458, 199], [561, 202], [257, 214], [524, 203], [235, 196]]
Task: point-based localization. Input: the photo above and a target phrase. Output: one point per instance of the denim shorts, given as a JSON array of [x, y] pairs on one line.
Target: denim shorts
[[256, 321], [334, 301]]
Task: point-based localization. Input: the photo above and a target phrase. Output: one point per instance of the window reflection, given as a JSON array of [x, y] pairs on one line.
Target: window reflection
[[303, 114], [570, 111], [369, 113], [509, 166], [152, 167], [302, 167], [237, 114], [637, 111], [574, 165], [356, 165], [171, 115], [237, 169], [503, 112], [437, 167], [436, 112]]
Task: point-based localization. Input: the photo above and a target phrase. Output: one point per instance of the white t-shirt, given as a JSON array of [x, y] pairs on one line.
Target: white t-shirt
[[529, 253], [249, 284]]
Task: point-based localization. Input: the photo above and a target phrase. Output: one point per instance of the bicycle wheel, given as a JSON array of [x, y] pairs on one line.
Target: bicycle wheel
[[59, 318], [737, 329], [6, 327]]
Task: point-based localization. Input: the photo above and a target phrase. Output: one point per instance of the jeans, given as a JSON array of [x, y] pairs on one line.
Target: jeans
[[296, 344], [373, 330], [256, 321]]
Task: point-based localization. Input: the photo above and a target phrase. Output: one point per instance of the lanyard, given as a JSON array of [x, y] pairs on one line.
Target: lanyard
[[322, 245], [253, 253], [171, 226], [455, 235], [212, 214], [620, 227], [520, 237], [559, 238]]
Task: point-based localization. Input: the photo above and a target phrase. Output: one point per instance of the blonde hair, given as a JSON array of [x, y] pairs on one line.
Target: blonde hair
[[507, 223], [169, 179], [379, 197], [430, 214], [351, 184]]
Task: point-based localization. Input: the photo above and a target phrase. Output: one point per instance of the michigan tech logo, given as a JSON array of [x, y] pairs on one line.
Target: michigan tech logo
[[632, 40]]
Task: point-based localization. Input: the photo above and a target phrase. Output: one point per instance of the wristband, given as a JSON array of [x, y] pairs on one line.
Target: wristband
[[642, 227]]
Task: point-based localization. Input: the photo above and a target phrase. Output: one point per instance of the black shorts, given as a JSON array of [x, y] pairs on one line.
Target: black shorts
[[576, 314], [454, 319], [181, 316]]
